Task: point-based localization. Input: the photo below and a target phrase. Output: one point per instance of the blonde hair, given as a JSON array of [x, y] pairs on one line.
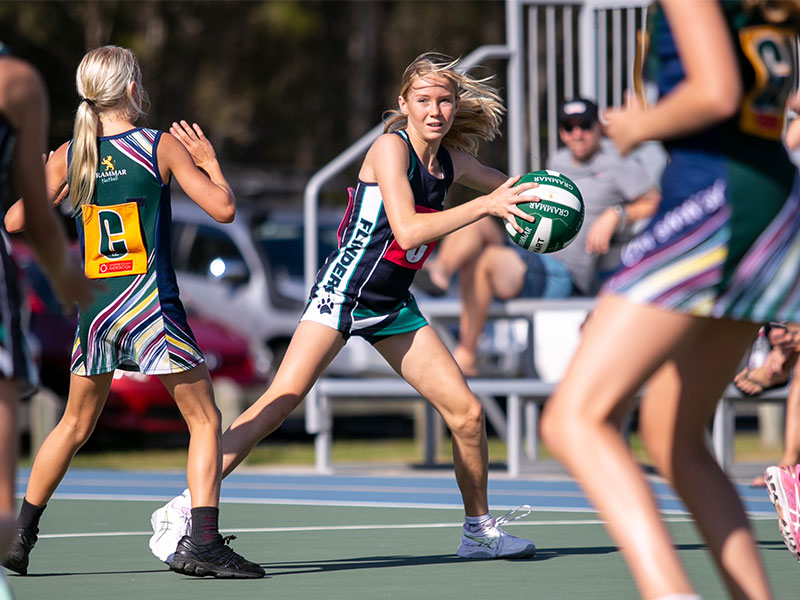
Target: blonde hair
[[103, 81], [479, 110]]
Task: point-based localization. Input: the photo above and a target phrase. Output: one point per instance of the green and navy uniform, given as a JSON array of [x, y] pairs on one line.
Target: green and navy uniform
[[363, 287], [15, 356], [726, 239], [137, 322]]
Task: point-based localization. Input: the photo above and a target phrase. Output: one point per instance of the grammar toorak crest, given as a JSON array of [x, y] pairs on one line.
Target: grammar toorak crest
[[108, 171]]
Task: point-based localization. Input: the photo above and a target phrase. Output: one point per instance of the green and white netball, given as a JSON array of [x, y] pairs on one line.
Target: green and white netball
[[559, 214]]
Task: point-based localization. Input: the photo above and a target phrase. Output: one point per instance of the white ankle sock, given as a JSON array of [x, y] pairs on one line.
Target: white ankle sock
[[478, 524]]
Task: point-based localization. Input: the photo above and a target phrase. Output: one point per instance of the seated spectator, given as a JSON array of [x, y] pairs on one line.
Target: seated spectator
[[617, 194], [776, 369]]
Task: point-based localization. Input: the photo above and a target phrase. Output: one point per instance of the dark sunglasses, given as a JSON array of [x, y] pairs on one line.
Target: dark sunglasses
[[569, 127]]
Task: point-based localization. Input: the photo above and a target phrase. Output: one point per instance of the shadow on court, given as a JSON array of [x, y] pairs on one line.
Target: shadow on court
[[12, 575], [548, 553], [365, 562]]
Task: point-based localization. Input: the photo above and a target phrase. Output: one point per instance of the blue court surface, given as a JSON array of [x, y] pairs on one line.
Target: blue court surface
[[406, 491], [358, 535]]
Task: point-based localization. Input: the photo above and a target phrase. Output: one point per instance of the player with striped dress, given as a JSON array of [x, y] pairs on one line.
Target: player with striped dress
[[118, 177]]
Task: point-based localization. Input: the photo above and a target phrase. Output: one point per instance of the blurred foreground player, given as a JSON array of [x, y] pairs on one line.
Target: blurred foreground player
[[23, 131], [715, 262]]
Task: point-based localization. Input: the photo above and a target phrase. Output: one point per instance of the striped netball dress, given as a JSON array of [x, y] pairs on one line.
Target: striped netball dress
[[137, 322], [15, 357], [726, 239], [363, 287]]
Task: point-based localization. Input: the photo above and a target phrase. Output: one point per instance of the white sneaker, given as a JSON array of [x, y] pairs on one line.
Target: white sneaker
[[493, 542], [170, 523]]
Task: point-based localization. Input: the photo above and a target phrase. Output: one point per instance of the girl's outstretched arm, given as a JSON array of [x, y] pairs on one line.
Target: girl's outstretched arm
[[187, 153], [710, 92], [387, 160]]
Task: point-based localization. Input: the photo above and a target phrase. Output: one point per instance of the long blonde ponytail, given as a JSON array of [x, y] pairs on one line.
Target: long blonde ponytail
[[103, 82]]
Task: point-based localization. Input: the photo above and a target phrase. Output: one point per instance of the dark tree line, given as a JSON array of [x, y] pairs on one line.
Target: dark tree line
[[280, 86]]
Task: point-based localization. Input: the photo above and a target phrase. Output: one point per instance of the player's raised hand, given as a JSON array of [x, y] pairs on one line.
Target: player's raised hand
[[620, 125], [195, 141]]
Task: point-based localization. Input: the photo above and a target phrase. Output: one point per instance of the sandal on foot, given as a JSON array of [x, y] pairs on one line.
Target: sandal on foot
[[760, 386]]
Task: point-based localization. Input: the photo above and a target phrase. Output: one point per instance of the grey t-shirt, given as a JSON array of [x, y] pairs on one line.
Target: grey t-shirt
[[605, 180]]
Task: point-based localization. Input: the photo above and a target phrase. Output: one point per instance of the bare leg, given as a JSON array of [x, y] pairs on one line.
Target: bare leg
[[312, 348], [8, 462], [622, 345], [460, 248], [680, 400], [194, 396], [498, 273], [791, 451], [87, 396], [423, 360]]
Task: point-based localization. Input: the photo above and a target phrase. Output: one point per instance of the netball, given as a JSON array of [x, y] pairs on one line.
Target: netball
[[559, 214]]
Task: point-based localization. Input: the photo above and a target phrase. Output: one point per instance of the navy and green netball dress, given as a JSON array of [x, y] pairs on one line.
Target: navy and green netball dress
[[363, 287], [15, 358], [726, 239], [138, 321]]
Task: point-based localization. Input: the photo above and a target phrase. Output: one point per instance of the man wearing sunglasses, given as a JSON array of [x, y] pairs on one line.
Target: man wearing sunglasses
[[617, 193]]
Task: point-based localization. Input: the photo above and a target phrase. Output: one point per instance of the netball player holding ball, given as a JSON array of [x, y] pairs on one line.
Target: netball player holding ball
[[395, 216]]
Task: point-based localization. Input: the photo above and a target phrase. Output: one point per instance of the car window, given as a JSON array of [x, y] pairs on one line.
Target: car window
[[178, 240], [213, 254], [282, 244]]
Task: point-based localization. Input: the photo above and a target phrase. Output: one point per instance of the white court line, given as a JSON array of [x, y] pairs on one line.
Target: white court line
[[563, 522]]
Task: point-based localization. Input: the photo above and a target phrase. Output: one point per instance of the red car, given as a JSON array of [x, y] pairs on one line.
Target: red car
[[141, 403], [137, 403]]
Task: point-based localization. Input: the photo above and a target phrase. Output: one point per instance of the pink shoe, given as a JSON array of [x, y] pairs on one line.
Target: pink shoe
[[783, 484]]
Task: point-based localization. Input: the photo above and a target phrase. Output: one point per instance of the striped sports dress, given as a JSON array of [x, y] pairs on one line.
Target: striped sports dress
[[138, 321], [726, 239], [363, 287], [15, 356]]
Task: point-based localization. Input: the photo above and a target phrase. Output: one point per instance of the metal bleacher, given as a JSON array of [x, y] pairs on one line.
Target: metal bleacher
[[553, 50]]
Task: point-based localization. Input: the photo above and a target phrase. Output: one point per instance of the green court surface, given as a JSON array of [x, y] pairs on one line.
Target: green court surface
[[93, 549]]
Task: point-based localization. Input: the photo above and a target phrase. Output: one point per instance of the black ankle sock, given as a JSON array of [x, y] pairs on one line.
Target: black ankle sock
[[29, 515], [205, 524]]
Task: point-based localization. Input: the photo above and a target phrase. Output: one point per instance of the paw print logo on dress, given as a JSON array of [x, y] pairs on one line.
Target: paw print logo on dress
[[325, 305]]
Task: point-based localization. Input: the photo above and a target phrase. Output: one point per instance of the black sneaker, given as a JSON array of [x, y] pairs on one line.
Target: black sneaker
[[17, 557], [216, 558]]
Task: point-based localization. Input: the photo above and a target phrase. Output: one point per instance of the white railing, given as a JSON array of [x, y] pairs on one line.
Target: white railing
[[555, 50]]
